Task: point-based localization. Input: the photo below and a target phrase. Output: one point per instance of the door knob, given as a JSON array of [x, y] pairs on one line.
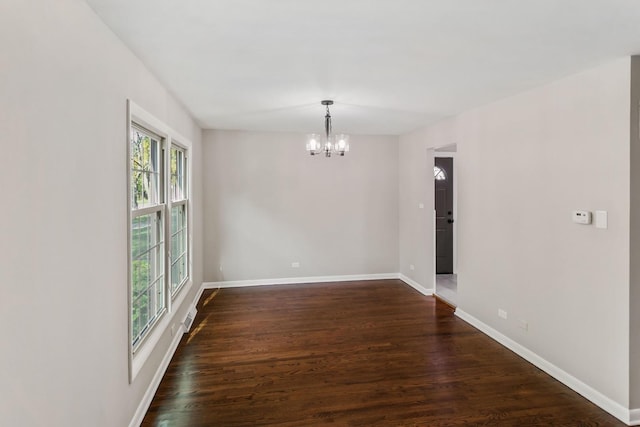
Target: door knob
[[450, 221]]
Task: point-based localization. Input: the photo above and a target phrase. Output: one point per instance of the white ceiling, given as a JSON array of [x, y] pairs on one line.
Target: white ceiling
[[390, 65]]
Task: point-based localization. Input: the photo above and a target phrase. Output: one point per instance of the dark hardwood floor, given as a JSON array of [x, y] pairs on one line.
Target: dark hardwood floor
[[373, 353]]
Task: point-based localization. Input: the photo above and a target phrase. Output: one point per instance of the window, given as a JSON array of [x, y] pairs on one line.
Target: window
[[179, 247], [159, 231], [439, 174], [147, 231]]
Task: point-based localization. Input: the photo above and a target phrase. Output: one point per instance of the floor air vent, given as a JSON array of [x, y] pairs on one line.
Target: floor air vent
[[189, 320]]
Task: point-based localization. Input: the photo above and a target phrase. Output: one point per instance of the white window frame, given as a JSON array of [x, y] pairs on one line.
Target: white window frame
[[157, 209], [185, 201], [143, 348]]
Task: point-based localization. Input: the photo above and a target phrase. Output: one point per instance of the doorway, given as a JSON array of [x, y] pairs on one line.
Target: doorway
[[446, 285]]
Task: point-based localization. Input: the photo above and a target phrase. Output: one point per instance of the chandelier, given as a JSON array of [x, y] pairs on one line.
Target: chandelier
[[329, 144]]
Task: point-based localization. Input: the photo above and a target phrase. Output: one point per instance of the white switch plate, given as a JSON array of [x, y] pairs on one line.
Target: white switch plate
[[581, 217], [420, 205], [601, 219], [295, 265], [502, 313]]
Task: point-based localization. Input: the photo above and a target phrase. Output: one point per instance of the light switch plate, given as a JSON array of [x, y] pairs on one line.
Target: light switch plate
[[601, 220]]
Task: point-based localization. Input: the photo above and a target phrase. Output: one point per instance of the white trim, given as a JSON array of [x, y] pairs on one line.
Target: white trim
[[604, 402], [155, 125], [128, 247], [298, 280], [197, 298], [136, 114], [155, 381], [148, 210], [415, 285], [317, 279], [434, 278]]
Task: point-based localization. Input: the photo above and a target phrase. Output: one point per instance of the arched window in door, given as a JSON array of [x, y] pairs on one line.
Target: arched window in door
[[439, 174]]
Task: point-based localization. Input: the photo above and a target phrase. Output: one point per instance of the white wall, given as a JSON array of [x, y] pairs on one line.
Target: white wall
[[524, 163], [64, 82], [268, 204]]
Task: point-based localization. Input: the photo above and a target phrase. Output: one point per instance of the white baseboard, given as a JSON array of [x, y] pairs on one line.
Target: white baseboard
[[317, 279], [198, 296], [297, 280], [415, 285], [143, 407], [612, 407]]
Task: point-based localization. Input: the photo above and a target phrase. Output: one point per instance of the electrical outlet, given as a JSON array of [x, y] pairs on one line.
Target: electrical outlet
[[173, 329], [295, 265], [522, 324], [502, 313], [221, 269], [412, 267]]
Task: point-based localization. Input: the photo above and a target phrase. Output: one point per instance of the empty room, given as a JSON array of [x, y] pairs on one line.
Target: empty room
[[298, 213]]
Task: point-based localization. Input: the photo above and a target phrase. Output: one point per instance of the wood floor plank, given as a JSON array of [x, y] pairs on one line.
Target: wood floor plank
[[371, 353]]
